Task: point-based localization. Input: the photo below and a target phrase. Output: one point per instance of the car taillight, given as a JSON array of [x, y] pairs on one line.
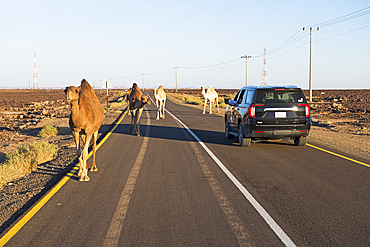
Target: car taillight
[[307, 109], [252, 111]]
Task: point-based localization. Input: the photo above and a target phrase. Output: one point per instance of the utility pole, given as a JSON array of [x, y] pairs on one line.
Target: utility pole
[[310, 30], [264, 72], [35, 77], [143, 80], [124, 82], [246, 68], [176, 76]]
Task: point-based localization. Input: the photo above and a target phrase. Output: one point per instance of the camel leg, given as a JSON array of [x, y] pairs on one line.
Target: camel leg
[[93, 166], [213, 105], [218, 108], [205, 103], [85, 155], [132, 119], [210, 106], [164, 103], [135, 122], [83, 138], [76, 136], [158, 108], [140, 111]]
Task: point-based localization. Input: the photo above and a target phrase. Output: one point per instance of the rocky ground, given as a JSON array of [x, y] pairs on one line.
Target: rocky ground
[[341, 121], [19, 126]]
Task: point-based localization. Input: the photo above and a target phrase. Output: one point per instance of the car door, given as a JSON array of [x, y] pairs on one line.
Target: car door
[[230, 111], [239, 109]]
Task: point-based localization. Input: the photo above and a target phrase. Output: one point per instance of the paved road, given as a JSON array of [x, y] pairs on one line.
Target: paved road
[[165, 189]]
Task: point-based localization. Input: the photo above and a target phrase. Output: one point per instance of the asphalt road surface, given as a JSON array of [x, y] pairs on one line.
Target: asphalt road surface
[[165, 188]]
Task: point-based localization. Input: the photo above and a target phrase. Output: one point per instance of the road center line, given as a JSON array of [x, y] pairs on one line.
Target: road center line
[[114, 232], [268, 219]]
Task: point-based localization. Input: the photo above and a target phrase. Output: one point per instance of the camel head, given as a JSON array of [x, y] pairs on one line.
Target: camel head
[[72, 93], [203, 90]]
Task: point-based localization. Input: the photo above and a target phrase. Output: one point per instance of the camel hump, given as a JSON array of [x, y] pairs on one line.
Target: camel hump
[[135, 86], [160, 87], [211, 89], [135, 90], [85, 85]]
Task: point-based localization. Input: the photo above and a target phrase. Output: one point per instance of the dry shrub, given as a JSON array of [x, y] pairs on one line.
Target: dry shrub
[[191, 100], [116, 104], [52, 131], [26, 159]]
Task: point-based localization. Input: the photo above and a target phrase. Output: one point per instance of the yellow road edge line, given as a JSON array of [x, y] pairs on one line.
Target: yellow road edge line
[[312, 146], [341, 156], [52, 192]]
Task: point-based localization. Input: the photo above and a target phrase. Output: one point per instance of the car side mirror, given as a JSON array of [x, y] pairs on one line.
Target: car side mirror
[[232, 102], [226, 101]]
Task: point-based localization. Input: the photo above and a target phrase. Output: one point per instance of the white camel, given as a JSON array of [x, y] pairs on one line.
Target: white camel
[[160, 100], [211, 95]]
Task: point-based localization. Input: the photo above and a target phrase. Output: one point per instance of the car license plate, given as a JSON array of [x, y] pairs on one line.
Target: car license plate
[[280, 114]]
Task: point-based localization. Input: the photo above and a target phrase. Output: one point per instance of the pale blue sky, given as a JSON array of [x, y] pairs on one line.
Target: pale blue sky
[[115, 39]]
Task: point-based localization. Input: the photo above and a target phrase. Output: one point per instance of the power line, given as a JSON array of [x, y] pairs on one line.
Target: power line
[[213, 65], [277, 47], [296, 37], [292, 42], [160, 72], [344, 18], [343, 33], [293, 39]]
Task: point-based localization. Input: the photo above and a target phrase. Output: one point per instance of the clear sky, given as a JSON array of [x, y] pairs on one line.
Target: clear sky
[[205, 39]]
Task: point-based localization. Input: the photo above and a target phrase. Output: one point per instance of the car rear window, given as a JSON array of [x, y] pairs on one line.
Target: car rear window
[[280, 96]]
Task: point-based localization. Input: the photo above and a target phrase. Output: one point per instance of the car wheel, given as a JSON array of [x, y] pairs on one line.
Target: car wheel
[[300, 141], [227, 131], [243, 142]]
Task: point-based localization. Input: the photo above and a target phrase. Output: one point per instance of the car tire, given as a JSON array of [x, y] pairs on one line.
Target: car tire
[[243, 142], [300, 141], [227, 131]]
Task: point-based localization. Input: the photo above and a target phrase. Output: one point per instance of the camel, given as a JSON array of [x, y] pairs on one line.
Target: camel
[[211, 95], [160, 100], [137, 101], [86, 118]]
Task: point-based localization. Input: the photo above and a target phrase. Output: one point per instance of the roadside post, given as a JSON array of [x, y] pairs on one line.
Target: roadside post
[[107, 85]]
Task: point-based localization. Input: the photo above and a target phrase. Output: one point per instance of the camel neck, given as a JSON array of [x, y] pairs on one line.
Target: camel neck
[[75, 109]]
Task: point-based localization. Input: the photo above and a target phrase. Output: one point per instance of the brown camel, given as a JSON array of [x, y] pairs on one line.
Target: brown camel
[[86, 118], [137, 101]]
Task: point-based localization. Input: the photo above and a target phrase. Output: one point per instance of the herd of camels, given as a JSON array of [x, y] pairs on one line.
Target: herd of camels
[[87, 116]]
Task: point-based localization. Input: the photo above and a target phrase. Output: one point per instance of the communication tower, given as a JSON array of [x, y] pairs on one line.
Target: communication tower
[[35, 78], [264, 72]]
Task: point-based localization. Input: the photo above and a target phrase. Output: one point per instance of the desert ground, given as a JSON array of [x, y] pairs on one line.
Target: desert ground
[[341, 121]]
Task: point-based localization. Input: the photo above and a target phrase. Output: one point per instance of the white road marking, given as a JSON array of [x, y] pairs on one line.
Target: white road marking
[[236, 224], [119, 215], [268, 219]]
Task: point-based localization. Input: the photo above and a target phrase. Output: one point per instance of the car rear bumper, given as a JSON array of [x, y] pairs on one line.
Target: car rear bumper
[[278, 132]]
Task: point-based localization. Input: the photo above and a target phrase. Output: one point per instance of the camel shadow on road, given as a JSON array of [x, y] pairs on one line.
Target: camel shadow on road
[[177, 134]]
